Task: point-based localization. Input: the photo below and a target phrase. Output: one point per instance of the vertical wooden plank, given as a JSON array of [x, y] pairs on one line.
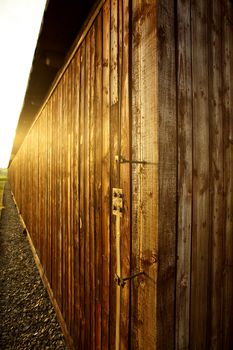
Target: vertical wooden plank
[[56, 196], [63, 168], [23, 209], [59, 201], [31, 161], [51, 190], [39, 198], [41, 190], [216, 176], [25, 181], [18, 183], [145, 174], [72, 123], [22, 181], [36, 177], [45, 182], [29, 174], [82, 196], [19, 186], [33, 204], [201, 218], [125, 168], [184, 115], [32, 207], [28, 180], [92, 188], [42, 194], [114, 146], [49, 193], [76, 200], [87, 192], [167, 138], [114, 52], [31, 146], [136, 176], [228, 171], [46, 188], [54, 176], [106, 177], [62, 203], [98, 182], [68, 194]]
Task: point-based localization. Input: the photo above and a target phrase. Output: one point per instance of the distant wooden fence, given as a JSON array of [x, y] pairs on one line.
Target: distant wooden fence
[[143, 104]]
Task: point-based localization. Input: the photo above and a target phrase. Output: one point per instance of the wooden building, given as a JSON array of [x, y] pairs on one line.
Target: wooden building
[[128, 169]]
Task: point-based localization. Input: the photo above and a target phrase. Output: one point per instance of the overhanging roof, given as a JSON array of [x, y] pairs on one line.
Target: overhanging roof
[[62, 21]]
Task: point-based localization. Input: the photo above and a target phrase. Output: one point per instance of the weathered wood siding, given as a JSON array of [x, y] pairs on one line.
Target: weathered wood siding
[[63, 175], [205, 199], [151, 83]]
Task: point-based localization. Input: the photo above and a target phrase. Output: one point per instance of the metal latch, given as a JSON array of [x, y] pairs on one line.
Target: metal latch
[[121, 159], [122, 281], [117, 202]]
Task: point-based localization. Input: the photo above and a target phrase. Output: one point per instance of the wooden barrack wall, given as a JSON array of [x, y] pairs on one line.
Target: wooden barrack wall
[[144, 103]]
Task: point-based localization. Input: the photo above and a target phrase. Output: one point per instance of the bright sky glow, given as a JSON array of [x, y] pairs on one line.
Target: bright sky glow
[[20, 22]]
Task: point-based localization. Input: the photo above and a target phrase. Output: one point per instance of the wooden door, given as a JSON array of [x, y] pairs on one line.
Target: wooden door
[[134, 170], [120, 171]]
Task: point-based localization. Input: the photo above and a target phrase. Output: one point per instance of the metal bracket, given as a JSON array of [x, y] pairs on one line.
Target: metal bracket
[[122, 281], [117, 202], [121, 159]]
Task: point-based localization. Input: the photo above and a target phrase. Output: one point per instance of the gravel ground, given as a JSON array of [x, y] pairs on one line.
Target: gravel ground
[[27, 318]]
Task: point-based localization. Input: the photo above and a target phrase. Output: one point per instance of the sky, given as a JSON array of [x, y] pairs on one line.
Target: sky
[[20, 22]]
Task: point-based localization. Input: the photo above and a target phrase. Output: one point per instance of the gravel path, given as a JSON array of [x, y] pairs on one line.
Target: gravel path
[[27, 318]]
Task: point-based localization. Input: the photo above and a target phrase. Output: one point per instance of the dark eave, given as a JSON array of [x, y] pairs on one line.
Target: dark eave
[[61, 24]]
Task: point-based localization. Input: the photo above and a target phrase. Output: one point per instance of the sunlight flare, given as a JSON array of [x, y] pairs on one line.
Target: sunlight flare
[[19, 28]]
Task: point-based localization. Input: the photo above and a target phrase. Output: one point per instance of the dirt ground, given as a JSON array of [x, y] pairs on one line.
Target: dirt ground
[[27, 318]]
